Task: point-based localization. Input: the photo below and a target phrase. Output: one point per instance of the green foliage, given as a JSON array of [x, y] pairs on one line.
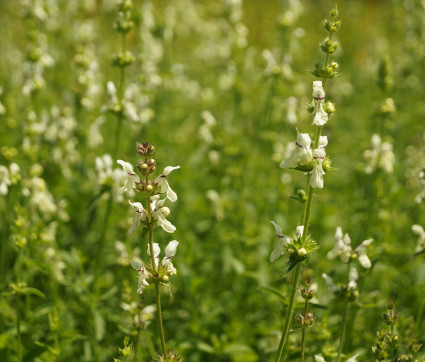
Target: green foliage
[[215, 103]]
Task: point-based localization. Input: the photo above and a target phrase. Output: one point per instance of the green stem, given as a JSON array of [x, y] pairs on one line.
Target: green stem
[[344, 318], [285, 331], [18, 305], [156, 281], [297, 269], [303, 332]]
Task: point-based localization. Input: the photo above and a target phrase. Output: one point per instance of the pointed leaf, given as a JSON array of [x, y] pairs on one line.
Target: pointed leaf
[[291, 264], [277, 293]]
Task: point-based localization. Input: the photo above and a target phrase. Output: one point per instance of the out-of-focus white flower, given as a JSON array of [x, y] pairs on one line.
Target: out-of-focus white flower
[[329, 282], [317, 172], [4, 180], [353, 359], [319, 358], [418, 230], [281, 243], [344, 251], [95, 136], [301, 153], [379, 156], [353, 276], [162, 182]]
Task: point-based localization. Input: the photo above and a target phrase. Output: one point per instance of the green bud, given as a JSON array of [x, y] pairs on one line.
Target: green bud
[[122, 59], [334, 12], [311, 107], [329, 107], [328, 46], [390, 304], [123, 26]]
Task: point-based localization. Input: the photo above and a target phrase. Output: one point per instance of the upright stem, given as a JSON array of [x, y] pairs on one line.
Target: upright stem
[[285, 331], [303, 332], [18, 305], [344, 319], [157, 294], [297, 269]]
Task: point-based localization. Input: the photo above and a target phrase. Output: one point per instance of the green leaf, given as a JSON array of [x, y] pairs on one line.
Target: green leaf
[[33, 291], [292, 262], [277, 293], [204, 347]]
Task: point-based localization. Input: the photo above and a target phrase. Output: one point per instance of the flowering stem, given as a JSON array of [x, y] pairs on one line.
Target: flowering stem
[[307, 211], [285, 332], [157, 294], [344, 319]]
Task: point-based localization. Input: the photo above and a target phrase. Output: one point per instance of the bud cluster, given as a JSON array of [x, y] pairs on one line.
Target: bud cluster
[[123, 25], [328, 46], [306, 292], [305, 321]]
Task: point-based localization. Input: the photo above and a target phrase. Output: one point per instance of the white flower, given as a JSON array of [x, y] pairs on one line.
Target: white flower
[[319, 358], [302, 152], [162, 182], [317, 172], [343, 249], [361, 252], [353, 359], [139, 216], [132, 177], [329, 282], [418, 230], [379, 156], [156, 252], [281, 243], [159, 214], [353, 276], [320, 116], [4, 180], [299, 231], [142, 276], [170, 251], [318, 91]]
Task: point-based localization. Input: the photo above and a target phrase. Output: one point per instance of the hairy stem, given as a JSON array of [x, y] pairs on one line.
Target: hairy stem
[[303, 333], [285, 331], [156, 281]]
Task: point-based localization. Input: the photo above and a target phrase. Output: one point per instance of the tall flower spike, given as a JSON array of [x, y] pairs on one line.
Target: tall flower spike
[[281, 243], [301, 153], [162, 182]]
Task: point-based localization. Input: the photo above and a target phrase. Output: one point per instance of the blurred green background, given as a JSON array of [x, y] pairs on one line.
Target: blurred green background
[[219, 87]]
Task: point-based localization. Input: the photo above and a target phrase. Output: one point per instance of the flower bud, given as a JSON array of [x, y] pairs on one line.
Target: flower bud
[[302, 252], [165, 211], [149, 188], [334, 12]]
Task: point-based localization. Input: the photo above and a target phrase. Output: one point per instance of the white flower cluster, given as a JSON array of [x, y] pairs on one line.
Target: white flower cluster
[[303, 155], [8, 176], [344, 251], [379, 156], [143, 275]]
